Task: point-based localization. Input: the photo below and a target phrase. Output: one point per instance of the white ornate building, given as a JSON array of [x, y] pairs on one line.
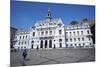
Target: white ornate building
[[51, 33]]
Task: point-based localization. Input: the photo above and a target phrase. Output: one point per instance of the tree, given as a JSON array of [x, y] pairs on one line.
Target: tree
[[74, 22], [85, 20]]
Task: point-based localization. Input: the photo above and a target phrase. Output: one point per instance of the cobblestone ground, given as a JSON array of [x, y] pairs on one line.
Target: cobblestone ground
[[54, 56]]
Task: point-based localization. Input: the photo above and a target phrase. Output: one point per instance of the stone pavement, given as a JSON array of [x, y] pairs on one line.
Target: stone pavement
[[54, 56]]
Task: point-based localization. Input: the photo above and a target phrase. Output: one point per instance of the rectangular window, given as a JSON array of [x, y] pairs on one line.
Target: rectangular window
[[33, 33], [75, 44], [82, 39], [74, 32], [23, 37], [78, 39], [70, 34], [26, 36], [89, 38], [66, 45], [79, 44], [60, 45], [20, 37], [42, 33], [22, 43], [71, 45], [25, 42], [78, 32], [74, 39], [81, 32], [90, 44], [46, 32], [71, 39], [83, 44], [87, 31], [19, 43], [38, 33], [66, 40], [50, 32]]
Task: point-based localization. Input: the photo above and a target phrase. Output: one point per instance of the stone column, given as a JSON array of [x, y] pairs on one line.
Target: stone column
[[43, 43], [48, 44]]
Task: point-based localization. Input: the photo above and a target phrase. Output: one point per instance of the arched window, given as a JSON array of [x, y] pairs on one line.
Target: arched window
[[75, 44], [82, 39], [45, 43], [60, 40], [74, 32], [50, 43], [78, 39], [32, 41], [41, 44], [81, 32], [60, 32]]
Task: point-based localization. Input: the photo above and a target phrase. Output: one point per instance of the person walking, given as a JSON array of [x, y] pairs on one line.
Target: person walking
[[24, 54]]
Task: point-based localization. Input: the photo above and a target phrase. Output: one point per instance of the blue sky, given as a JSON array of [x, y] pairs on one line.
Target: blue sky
[[25, 14]]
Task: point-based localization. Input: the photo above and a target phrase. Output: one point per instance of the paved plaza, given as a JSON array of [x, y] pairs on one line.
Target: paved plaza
[[54, 56]]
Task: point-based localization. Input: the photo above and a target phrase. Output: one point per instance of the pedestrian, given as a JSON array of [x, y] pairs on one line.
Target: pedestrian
[[24, 54]]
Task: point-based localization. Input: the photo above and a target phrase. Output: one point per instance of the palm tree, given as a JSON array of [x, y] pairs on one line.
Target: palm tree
[[74, 22]]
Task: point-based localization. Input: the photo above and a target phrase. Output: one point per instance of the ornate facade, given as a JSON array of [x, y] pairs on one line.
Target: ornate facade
[[52, 33]]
